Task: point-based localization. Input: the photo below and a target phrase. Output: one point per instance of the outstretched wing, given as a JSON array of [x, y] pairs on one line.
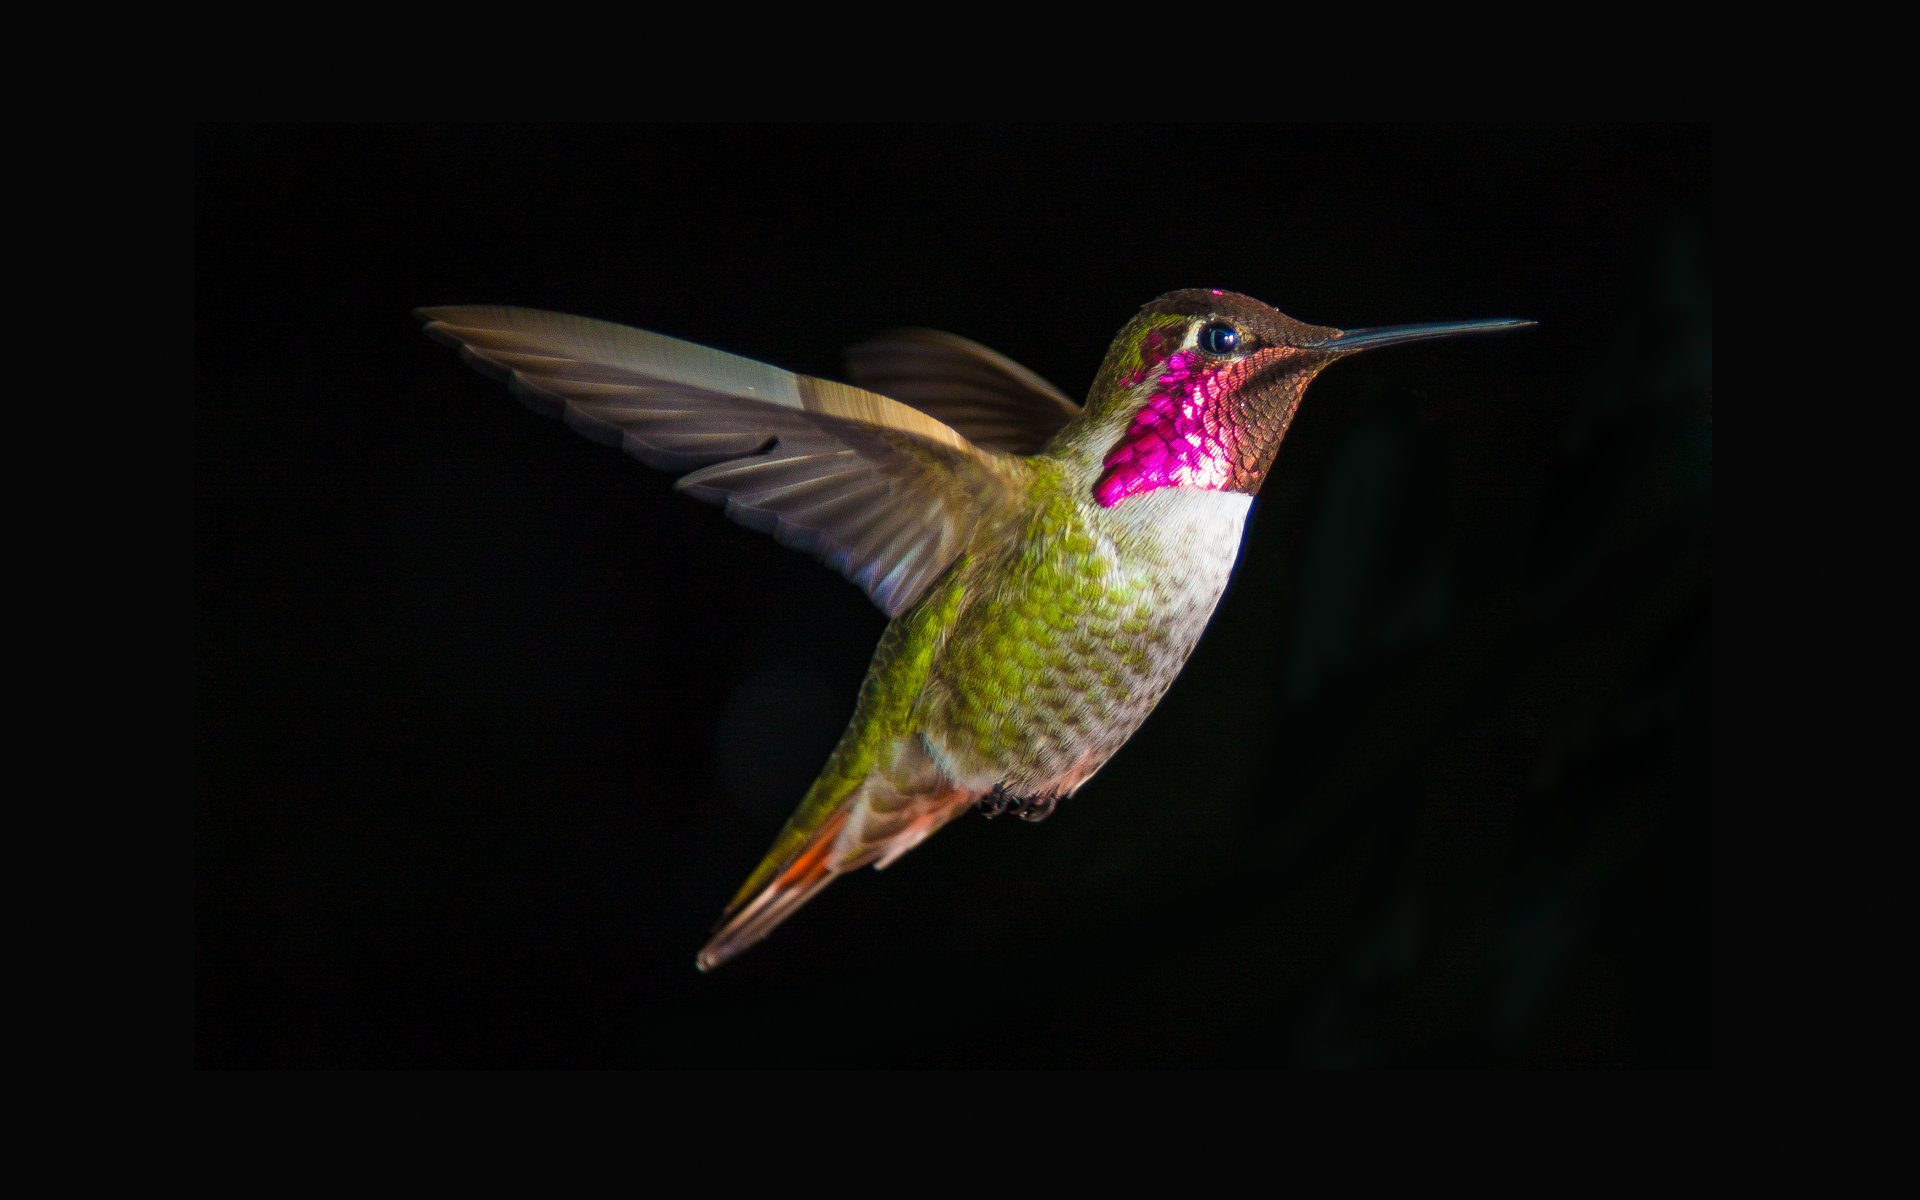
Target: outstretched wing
[[883, 493], [990, 399]]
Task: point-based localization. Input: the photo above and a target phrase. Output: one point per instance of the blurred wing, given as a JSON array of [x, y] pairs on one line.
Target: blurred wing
[[992, 400], [883, 493]]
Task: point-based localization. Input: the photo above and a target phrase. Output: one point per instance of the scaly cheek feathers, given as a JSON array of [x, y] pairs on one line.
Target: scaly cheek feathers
[[1182, 437]]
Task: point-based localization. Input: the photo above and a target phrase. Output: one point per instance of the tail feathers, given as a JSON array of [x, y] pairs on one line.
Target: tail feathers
[[875, 826], [810, 870], [922, 826]]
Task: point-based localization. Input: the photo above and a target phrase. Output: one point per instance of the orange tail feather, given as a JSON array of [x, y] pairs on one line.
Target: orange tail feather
[[750, 919]]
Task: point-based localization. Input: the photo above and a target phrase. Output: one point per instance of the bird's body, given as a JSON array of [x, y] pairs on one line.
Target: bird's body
[[1024, 669], [1048, 569]]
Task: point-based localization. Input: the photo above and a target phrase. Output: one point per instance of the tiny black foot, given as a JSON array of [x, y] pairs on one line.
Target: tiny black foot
[[1036, 808], [1027, 808]]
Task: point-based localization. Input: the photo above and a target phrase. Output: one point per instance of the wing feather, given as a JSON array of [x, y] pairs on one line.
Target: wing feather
[[885, 493], [990, 399]]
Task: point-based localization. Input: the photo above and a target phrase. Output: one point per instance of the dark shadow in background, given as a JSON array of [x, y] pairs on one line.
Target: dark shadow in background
[[490, 722]]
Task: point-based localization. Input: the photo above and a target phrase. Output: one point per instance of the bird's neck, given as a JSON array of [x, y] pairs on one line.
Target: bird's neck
[[1182, 424]]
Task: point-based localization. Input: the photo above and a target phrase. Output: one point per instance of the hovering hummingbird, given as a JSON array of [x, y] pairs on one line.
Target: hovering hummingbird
[[1047, 567]]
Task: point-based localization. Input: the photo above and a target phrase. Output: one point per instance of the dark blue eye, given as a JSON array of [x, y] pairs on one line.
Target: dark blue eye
[[1219, 338]]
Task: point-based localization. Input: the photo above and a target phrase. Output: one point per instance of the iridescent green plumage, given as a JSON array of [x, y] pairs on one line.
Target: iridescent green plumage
[[1048, 569]]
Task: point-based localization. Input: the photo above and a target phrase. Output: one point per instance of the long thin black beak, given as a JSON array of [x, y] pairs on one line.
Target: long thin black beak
[[1353, 340]]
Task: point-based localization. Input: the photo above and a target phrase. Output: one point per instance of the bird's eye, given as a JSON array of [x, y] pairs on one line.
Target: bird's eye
[[1219, 338]]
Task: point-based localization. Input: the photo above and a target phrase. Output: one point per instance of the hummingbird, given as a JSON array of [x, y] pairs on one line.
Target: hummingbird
[[1047, 567]]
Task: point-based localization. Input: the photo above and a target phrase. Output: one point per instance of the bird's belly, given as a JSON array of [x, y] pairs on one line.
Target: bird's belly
[[1064, 651]]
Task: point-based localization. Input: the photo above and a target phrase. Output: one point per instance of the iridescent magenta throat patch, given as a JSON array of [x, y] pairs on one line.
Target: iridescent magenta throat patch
[[1181, 438]]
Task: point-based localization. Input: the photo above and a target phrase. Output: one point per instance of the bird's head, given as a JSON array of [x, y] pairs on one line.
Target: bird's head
[[1199, 388]]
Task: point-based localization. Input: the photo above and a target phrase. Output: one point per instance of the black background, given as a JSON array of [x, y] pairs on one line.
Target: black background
[[490, 723]]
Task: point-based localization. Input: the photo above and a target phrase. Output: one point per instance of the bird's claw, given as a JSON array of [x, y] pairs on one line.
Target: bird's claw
[[1027, 808]]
